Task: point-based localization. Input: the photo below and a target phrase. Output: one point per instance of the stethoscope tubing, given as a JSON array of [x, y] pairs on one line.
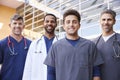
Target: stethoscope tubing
[[116, 55], [12, 49], [36, 45]]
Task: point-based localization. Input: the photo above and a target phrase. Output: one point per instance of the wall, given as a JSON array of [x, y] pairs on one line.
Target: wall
[[5, 15]]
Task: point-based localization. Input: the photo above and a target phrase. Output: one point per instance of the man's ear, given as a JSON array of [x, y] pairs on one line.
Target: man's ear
[[114, 21], [9, 25], [79, 25], [24, 26], [63, 26]]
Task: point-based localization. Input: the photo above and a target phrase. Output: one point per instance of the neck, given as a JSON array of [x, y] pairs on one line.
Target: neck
[[49, 36], [74, 37], [107, 33], [17, 37]]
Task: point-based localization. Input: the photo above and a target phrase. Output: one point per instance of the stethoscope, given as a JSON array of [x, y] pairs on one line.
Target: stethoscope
[[115, 46], [36, 46], [11, 46], [37, 43]]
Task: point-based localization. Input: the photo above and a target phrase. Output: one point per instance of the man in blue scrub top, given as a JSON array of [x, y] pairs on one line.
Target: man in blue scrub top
[[34, 67], [73, 57], [13, 51], [108, 45]]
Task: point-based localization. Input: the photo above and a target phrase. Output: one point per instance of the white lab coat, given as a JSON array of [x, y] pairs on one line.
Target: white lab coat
[[34, 68]]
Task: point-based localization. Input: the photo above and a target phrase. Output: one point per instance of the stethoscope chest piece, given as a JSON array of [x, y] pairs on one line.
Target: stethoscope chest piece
[[116, 58], [116, 49], [13, 53], [25, 48], [38, 52]]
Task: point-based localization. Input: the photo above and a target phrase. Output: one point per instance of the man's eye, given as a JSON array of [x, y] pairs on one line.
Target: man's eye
[[75, 22], [20, 23], [67, 22], [14, 23], [103, 19]]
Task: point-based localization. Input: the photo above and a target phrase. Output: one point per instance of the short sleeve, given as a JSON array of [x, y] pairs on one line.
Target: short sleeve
[[50, 59], [95, 57]]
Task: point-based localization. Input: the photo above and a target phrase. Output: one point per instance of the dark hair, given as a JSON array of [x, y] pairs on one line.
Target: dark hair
[[51, 15], [109, 11], [16, 17], [71, 12]]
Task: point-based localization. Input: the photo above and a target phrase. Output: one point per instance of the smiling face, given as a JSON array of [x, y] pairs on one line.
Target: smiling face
[[50, 24], [71, 25], [16, 27], [107, 21]]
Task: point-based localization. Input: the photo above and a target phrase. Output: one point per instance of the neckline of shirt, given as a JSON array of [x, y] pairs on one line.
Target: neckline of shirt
[[105, 38]]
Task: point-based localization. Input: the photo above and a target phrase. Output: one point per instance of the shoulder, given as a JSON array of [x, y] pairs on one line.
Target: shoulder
[[60, 42], [96, 39], [36, 41], [118, 35], [3, 41], [28, 40], [86, 41]]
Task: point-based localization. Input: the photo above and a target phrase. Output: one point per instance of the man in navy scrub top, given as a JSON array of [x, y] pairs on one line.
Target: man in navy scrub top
[[73, 57], [13, 51], [108, 44]]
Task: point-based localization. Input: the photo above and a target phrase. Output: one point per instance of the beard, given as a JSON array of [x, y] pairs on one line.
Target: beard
[[109, 29], [49, 31]]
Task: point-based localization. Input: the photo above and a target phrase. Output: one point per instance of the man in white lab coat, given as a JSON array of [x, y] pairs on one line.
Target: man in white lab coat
[[34, 67]]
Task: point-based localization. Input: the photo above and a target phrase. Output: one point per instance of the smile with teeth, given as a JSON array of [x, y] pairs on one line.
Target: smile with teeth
[[71, 28], [49, 27]]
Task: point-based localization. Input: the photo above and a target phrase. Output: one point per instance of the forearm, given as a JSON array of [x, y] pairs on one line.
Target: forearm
[[96, 78], [96, 73], [51, 75]]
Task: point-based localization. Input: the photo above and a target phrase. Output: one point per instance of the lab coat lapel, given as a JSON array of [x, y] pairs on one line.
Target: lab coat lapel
[[55, 39], [44, 46]]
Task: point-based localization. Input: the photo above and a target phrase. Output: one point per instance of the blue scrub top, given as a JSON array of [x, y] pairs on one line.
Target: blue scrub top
[[12, 65]]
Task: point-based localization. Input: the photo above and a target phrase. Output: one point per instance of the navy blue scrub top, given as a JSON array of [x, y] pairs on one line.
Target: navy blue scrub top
[[12, 65], [50, 70]]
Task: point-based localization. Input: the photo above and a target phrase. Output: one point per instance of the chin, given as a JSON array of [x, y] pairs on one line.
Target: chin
[[71, 33], [18, 34]]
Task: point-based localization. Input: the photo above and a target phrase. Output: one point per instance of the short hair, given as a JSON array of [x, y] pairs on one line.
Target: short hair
[[51, 15], [16, 17], [109, 11], [71, 12]]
